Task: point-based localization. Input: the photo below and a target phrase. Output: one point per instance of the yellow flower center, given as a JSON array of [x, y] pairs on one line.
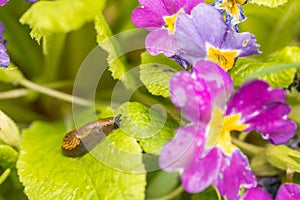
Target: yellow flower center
[[219, 130], [224, 59], [232, 7], [170, 21]]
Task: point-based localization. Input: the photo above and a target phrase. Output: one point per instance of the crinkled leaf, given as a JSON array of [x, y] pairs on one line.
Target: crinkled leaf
[[110, 44], [155, 73], [269, 3], [151, 127], [9, 132], [283, 157], [278, 70], [47, 174], [49, 17], [274, 28]]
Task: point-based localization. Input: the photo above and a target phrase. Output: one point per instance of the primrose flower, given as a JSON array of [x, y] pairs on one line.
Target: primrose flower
[[288, 191], [4, 57], [234, 11], [204, 35], [3, 2], [203, 152], [159, 16]]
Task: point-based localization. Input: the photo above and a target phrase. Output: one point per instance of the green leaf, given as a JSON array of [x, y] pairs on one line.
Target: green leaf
[[151, 127], [109, 43], [49, 17], [209, 193], [279, 70], [47, 174], [274, 28], [283, 157], [161, 184], [269, 3], [9, 132], [155, 73]]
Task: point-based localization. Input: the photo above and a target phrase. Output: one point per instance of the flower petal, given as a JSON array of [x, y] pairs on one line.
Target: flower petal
[[160, 41], [271, 121], [257, 193], [192, 32], [209, 24], [235, 173], [150, 14], [190, 4], [206, 27], [173, 6], [157, 6], [191, 45], [146, 18], [201, 172], [1, 31], [288, 192], [4, 57], [3, 2], [179, 152], [219, 82], [191, 96], [244, 42], [251, 96]]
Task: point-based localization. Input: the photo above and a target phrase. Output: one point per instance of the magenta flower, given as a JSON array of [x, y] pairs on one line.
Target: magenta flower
[[3, 2], [204, 35], [233, 9], [159, 16], [4, 57], [286, 191], [203, 152]]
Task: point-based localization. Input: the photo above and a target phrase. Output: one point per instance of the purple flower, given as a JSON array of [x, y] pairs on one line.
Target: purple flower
[[203, 152], [4, 57], [234, 12], [204, 35], [159, 16], [287, 191], [3, 2]]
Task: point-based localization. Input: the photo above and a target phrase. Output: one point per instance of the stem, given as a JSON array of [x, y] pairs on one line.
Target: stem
[[242, 136], [289, 175], [53, 93], [172, 195], [4, 176], [217, 192], [14, 94], [251, 149]]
